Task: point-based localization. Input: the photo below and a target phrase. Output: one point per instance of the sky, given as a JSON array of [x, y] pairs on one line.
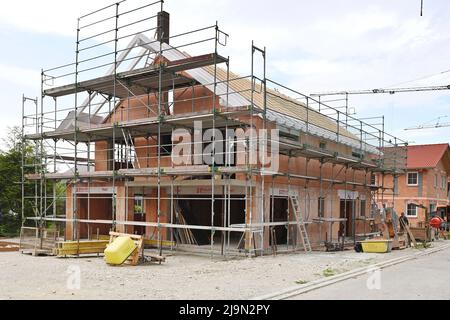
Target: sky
[[312, 46]]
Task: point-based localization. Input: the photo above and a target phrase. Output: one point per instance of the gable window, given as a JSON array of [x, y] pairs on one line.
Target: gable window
[[444, 182], [411, 210], [435, 180], [412, 179]]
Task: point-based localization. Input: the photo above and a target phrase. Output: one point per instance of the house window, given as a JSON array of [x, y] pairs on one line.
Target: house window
[[321, 206], [363, 208], [444, 182], [435, 180], [322, 145], [373, 179], [411, 210], [138, 204], [413, 178], [432, 207], [357, 154], [166, 145]]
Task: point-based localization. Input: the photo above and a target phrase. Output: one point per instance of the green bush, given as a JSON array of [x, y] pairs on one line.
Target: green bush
[[9, 225]]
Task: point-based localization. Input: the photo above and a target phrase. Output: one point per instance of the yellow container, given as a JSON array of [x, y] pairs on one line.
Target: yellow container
[[377, 246], [119, 250]]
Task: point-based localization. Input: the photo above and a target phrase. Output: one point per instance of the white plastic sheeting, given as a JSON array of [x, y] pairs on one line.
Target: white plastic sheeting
[[199, 74], [290, 122]]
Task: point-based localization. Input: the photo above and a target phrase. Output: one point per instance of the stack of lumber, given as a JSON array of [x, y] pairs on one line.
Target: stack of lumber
[[75, 248], [184, 236], [156, 243]]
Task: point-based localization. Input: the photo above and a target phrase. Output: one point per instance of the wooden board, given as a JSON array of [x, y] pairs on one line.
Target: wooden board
[[8, 247], [75, 248]]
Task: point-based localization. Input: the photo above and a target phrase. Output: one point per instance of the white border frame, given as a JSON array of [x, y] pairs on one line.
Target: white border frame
[[407, 179], [406, 211]]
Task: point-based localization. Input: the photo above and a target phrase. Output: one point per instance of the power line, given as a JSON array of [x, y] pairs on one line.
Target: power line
[[419, 79], [383, 91], [428, 125]]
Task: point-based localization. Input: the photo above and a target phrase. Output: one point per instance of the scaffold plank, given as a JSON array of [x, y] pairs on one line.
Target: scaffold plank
[[140, 81]]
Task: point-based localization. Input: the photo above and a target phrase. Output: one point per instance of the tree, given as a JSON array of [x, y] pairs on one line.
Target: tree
[[10, 182]]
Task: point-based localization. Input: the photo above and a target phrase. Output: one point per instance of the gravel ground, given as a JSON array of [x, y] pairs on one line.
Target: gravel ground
[[181, 277]]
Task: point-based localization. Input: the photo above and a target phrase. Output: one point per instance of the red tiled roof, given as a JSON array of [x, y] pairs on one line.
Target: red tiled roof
[[426, 156]]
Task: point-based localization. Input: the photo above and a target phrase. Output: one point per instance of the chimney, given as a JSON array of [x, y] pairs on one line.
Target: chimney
[[163, 33]]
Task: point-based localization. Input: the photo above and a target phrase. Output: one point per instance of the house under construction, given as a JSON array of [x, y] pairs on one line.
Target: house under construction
[[106, 127]]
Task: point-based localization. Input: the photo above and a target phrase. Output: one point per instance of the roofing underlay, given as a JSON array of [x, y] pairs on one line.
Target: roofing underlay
[[290, 113]]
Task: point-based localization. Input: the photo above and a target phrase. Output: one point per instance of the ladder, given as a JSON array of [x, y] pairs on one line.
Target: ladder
[[129, 144], [300, 223]]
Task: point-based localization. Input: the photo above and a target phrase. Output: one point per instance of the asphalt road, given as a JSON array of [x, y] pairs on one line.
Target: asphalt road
[[425, 278]]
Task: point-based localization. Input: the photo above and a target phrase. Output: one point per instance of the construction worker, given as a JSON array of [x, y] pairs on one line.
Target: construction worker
[[403, 221]]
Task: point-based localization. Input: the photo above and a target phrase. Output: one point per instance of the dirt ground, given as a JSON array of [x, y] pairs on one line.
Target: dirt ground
[[182, 276]]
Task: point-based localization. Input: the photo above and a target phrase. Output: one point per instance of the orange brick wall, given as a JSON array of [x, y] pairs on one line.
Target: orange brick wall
[[308, 191]]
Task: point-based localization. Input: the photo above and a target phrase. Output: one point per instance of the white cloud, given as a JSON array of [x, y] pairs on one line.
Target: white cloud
[[47, 16], [20, 76]]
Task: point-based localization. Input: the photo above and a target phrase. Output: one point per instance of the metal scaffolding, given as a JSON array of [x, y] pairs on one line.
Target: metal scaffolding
[[101, 129]]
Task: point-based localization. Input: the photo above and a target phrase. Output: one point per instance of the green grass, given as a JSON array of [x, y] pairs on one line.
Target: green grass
[[423, 245], [329, 272], [301, 282]]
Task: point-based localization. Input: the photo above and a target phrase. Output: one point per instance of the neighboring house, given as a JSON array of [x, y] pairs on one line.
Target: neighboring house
[[425, 182]]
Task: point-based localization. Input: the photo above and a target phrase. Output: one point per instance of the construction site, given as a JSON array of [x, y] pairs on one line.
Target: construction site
[[152, 169], [107, 127]]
